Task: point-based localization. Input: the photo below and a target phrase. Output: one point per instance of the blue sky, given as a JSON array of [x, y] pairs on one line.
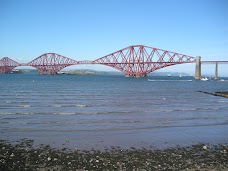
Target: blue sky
[[89, 29]]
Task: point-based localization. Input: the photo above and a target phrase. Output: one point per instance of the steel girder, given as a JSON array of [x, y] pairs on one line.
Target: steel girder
[[137, 60], [140, 60], [7, 65], [214, 62], [51, 63]]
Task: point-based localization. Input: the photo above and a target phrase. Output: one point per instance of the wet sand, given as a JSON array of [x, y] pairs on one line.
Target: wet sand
[[22, 155]]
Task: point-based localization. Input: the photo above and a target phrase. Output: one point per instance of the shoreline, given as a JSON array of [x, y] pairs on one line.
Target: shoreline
[[23, 156], [221, 94]]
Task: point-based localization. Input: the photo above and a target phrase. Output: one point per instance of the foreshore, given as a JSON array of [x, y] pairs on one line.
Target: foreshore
[[23, 156]]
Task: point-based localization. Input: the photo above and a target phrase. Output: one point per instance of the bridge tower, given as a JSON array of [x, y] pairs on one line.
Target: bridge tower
[[198, 68], [216, 71]]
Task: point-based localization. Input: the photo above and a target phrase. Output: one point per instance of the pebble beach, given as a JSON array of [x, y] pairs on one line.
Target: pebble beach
[[21, 155]]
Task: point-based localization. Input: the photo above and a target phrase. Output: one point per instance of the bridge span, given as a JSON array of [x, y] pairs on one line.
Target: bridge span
[[199, 63], [135, 61]]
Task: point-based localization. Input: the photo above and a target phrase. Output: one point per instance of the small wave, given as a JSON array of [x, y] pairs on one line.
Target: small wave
[[207, 108], [169, 80], [69, 105], [196, 109], [53, 113], [57, 105], [149, 111], [25, 106], [84, 113], [64, 113], [176, 110], [17, 113], [80, 105], [8, 118], [223, 101]]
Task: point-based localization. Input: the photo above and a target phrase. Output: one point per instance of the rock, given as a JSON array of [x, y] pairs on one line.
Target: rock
[[205, 147], [221, 94]]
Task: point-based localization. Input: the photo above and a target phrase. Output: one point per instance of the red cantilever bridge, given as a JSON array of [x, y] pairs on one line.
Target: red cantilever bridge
[[137, 60]]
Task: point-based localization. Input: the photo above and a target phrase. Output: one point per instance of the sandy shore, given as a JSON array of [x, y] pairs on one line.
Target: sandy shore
[[23, 156]]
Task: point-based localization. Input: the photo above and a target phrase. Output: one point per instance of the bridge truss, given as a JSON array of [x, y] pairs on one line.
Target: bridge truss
[[7, 65], [137, 60], [51, 63], [140, 60]]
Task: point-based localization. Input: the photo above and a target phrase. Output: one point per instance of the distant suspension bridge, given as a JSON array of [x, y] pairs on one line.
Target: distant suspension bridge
[[135, 61]]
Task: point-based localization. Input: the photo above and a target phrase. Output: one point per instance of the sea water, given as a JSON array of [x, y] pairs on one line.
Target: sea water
[[100, 111]]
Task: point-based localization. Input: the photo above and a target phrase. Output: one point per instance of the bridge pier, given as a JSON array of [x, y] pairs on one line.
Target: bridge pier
[[216, 71], [198, 68], [135, 75]]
